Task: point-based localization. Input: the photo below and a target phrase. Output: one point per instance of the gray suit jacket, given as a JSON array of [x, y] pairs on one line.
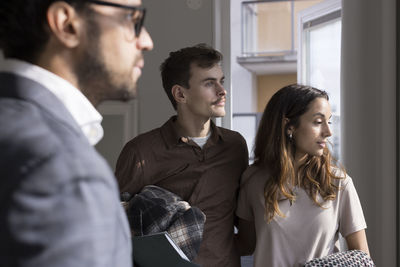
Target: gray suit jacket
[[59, 201]]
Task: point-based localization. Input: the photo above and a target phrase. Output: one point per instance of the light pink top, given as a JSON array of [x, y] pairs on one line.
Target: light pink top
[[307, 231]]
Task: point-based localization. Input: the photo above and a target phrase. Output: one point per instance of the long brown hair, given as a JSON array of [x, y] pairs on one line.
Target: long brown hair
[[274, 151]]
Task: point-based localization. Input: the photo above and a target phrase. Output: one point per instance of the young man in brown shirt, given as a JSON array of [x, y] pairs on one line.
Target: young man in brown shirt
[[189, 155]]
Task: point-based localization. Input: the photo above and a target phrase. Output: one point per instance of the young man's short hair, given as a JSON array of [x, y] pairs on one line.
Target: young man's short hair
[[176, 68]]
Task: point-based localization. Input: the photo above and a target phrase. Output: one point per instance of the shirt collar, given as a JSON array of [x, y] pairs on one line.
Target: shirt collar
[[172, 138], [84, 113]]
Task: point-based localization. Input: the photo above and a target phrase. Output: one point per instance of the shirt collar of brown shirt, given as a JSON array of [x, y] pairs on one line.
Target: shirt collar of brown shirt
[[172, 138]]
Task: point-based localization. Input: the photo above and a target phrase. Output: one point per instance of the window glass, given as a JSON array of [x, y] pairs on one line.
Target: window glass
[[322, 68], [270, 27]]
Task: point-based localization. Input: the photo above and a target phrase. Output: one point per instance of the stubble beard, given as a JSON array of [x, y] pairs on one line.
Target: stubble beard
[[219, 113], [95, 80]]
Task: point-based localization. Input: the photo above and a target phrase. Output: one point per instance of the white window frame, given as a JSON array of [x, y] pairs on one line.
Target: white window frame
[[307, 16]]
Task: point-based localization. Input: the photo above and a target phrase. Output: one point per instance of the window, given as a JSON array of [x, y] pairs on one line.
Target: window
[[319, 57], [269, 27], [269, 35]]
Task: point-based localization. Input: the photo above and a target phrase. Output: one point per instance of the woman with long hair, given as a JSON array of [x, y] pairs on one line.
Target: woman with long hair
[[295, 199]]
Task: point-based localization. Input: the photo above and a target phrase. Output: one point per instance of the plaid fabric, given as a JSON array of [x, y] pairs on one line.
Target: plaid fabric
[[350, 258], [155, 210]]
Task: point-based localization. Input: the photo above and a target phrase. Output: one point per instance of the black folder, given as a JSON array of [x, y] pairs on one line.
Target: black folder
[[158, 250]]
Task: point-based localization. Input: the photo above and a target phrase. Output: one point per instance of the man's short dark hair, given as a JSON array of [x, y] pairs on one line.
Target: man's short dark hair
[[176, 68], [23, 27]]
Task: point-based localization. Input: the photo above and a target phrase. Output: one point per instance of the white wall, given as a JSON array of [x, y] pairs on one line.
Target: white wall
[[369, 108], [244, 87]]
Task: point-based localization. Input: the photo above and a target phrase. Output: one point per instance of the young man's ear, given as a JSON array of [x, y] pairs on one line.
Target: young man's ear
[[178, 92], [64, 23]]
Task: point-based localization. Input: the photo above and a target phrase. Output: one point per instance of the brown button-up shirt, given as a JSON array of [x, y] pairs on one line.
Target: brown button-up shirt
[[207, 178]]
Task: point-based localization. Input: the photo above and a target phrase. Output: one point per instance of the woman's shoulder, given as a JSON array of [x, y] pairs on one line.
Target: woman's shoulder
[[343, 178]]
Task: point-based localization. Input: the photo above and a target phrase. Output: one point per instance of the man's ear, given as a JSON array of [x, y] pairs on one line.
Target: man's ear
[[64, 23], [178, 92]]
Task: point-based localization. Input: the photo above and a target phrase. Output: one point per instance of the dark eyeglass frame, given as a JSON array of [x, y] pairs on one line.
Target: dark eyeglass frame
[[137, 25]]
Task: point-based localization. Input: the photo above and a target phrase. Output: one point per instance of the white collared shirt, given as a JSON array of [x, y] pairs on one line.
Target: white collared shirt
[[84, 113]]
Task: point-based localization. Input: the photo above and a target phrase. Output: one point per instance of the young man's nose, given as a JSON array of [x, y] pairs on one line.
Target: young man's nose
[[221, 90]]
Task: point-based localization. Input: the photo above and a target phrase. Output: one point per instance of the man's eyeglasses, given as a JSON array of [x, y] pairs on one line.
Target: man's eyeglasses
[[138, 11]]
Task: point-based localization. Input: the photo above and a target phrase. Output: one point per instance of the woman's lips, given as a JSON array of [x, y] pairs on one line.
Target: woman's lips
[[321, 144]]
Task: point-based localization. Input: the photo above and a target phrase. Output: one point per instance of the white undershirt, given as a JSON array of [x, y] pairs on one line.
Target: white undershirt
[[84, 113], [200, 141]]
